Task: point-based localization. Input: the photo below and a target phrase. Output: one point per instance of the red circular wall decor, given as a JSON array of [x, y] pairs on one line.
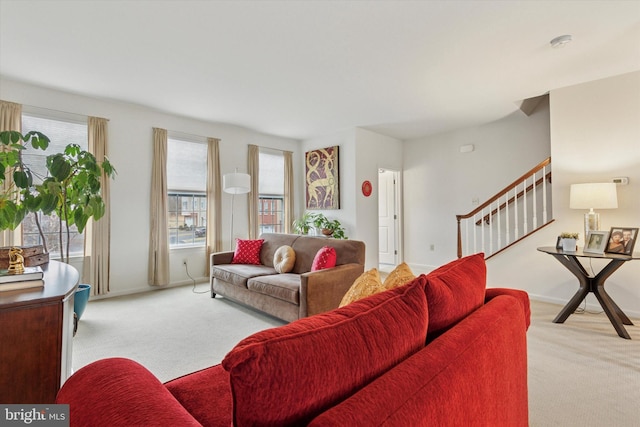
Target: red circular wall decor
[[366, 188]]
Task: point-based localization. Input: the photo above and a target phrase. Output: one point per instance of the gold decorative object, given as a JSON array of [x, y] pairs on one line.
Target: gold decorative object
[[16, 261]]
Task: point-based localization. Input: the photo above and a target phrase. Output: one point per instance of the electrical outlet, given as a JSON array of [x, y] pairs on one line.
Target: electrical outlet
[[432, 247]]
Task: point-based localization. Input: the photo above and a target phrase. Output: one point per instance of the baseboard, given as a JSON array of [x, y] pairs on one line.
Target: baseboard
[[591, 306], [201, 281]]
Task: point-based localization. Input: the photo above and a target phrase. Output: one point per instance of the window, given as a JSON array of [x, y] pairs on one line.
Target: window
[[271, 189], [62, 131], [186, 185]]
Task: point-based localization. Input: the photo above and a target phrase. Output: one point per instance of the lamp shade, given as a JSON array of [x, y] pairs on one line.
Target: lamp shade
[[236, 183], [593, 196]]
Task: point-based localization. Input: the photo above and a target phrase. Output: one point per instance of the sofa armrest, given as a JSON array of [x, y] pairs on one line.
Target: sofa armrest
[[518, 294], [120, 392], [218, 258], [323, 290]]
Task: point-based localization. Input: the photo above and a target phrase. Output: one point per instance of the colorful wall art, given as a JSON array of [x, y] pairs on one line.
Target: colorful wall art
[[322, 184]]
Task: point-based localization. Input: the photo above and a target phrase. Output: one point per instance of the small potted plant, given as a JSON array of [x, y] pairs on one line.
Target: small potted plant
[[329, 228], [303, 224], [569, 241]]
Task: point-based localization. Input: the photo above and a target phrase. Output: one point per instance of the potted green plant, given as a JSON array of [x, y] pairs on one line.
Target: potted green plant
[[12, 211], [569, 241], [303, 224], [329, 228], [71, 189]]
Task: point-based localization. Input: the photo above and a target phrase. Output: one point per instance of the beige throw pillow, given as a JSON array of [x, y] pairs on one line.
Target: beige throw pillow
[[401, 275], [284, 259], [368, 283]]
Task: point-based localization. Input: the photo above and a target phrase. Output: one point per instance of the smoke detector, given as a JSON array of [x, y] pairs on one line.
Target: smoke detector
[[560, 41]]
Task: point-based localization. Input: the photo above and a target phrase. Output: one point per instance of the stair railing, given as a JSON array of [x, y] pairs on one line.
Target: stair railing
[[514, 213]]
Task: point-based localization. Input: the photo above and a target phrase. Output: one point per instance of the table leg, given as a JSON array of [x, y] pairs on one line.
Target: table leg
[[609, 308], [578, 270], [596, 285]]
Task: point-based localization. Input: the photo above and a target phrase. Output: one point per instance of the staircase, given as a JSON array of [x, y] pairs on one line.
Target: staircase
[[514, 213]]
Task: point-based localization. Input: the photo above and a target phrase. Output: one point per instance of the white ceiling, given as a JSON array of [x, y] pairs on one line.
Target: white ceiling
[[308, 68]]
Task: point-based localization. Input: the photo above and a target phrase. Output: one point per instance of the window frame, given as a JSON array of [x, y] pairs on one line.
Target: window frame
[[196, 241], [27, 237], [278, 226]]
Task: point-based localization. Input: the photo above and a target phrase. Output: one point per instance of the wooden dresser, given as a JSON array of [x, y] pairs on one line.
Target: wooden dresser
[[36, 332]]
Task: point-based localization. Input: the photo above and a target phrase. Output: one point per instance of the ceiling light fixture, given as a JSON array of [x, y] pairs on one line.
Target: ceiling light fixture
[[560, 41]]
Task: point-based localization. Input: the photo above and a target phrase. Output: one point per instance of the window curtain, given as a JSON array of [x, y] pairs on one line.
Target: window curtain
[[10, 119], [214, 201], [158, 235], [288, 191], [97, 236], [254, 194]]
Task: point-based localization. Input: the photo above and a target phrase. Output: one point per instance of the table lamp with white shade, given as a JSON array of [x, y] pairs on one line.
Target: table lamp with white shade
[[593, 196], [235, 183]]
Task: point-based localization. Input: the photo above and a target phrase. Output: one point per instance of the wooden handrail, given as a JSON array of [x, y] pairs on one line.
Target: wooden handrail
[[506, 189], [497, 196], [511, 200]]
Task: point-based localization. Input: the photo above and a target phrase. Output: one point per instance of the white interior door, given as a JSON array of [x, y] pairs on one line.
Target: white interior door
[[387, 217]]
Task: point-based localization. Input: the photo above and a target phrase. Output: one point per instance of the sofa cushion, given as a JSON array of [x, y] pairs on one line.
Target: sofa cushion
[[284, 259], [401, 275], [325, 258], [272, 241], [454, 290], [367, 284], [474, 375], [306, 247], [284, 286], [247, 252], [288, 375], [238, 274]]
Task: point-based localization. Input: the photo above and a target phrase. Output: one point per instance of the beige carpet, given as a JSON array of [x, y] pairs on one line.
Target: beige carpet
[[580, 372]]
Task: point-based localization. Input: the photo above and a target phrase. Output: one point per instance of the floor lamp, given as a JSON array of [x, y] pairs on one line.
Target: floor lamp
[[235, 183]]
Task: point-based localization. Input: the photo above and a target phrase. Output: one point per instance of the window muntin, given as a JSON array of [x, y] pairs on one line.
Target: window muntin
[[187, 200], [187, 219], [270, 214]]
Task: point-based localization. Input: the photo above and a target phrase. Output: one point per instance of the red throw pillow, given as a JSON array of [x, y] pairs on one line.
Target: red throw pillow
[[247, 252], [289, 375], [325, 258], [454, 291]]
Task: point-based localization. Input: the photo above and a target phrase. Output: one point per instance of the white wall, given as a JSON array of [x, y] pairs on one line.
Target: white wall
[[595, 135], [373, 151], [346, 159], [441, 182], [130, 150], [361, 153]]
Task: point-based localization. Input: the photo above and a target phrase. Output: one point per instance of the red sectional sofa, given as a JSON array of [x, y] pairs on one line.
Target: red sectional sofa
[[439, 351]]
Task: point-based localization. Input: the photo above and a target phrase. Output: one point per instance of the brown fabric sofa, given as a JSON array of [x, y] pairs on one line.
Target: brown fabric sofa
[[294, 295]]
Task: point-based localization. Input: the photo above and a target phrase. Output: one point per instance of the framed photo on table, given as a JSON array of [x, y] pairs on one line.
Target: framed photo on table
[[622, 240], [596, 242]]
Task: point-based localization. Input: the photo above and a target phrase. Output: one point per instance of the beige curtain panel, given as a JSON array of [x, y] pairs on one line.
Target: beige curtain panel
[[10, 119], [214, 201], [254, 194], [158, 233], [97, 239], [288, 191]]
